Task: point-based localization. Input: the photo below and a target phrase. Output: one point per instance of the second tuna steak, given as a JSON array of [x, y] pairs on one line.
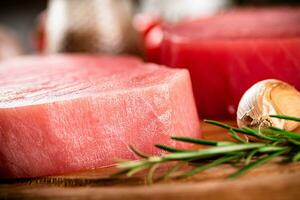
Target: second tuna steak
[[228, 53]]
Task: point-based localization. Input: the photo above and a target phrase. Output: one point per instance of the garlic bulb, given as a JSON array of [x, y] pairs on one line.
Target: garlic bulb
[[269, 97], [90, 26]]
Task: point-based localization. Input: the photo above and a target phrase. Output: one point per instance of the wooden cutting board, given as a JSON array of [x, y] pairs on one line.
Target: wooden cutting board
[[272, 181]]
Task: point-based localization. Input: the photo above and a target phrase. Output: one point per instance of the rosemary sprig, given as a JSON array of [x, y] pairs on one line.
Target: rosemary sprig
[[269, 143]]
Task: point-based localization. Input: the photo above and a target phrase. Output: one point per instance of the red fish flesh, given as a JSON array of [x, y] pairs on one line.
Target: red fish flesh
[[61, 114], [229, 52]]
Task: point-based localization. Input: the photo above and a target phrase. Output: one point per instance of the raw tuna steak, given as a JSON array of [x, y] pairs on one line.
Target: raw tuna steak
[[229, 52], [61, 114]]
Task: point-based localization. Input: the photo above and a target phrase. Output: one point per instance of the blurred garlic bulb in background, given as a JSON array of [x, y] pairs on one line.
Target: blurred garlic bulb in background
[[175, 10], [90, 26], [269, 97]]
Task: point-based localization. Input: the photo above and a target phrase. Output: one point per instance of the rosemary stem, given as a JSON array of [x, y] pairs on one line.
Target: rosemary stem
[[212, 151]]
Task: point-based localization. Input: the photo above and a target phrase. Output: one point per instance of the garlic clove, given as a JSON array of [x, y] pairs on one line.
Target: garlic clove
[[269, 97]]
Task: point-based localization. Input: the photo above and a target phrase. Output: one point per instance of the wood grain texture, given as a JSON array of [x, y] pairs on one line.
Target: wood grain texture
[[271, 181], [271, 187]]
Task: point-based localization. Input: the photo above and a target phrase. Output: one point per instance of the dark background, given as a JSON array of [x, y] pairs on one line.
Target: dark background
[[20, 16], [266, 2]]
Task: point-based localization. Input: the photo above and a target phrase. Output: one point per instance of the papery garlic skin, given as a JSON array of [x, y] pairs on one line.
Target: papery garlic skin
[[265, 98]]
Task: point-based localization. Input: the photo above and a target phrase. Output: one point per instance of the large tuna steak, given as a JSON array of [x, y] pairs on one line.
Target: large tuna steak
[[228, 53], [62, 114]]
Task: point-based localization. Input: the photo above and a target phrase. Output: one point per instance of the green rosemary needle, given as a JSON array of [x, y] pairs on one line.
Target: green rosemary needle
[[297, 119], [270, 143]]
